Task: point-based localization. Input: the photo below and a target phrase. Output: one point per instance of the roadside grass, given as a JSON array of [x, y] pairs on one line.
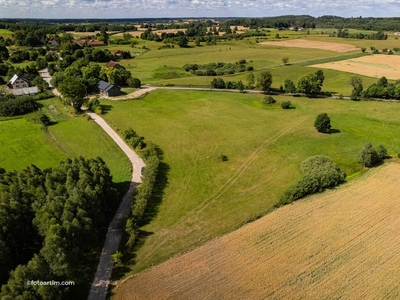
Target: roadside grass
[[23, 142], [205, 197]]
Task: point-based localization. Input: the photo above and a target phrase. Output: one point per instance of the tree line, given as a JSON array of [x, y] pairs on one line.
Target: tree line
[[53, 222]]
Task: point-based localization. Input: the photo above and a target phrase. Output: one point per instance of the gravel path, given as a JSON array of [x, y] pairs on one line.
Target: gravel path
[[100, 283]]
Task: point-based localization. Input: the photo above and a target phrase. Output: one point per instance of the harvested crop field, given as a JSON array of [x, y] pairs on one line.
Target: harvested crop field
[[377, 65], [159, 32], [343, 244], [299, 43]]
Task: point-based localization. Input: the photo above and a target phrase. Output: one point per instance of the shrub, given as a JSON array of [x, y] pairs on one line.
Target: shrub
[[286, 104], [368, 156], [134, 82], [320, 173], [44, 119], [268, 100], [222, 157]]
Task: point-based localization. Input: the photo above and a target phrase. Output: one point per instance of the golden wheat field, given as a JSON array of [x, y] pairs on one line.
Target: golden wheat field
[[300, 43], [376, 65], [341, 244]]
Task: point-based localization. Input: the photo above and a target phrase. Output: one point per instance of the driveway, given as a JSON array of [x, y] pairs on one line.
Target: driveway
[[102, 277]]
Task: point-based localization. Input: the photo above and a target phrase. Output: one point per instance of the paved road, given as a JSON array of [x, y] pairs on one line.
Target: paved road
[[100, 283]]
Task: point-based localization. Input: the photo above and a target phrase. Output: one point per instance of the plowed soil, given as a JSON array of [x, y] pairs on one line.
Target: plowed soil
[[342, 244]]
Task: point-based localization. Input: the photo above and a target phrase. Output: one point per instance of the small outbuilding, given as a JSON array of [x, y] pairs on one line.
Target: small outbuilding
[[113, 64], [108, 89]]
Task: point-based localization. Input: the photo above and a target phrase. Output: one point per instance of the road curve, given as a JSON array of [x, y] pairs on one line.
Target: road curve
[[99, 288]]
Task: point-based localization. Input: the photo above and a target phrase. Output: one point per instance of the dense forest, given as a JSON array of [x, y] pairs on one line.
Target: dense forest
[[51, 221]]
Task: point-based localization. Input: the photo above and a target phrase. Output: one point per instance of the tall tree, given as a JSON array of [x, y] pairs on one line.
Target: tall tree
[[73, 91], [264, 81]]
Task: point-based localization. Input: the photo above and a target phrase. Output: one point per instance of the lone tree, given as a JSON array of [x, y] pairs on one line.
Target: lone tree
[[368, 156], [323, 123], [73, 91], [356, 83], [264, 81], [289, 86]]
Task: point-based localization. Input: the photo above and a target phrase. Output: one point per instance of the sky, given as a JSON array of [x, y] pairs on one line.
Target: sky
[[103, 9]]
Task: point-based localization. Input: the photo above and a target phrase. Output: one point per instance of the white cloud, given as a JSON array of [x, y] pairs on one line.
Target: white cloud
[[192, 8]]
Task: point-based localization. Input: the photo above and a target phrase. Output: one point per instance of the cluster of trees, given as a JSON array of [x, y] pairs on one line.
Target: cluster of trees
[[217, 69], [143, 193], [383, 89], [309, 84], [11, 105], [344, 33], [319, 173], [133, 139], [219, 83], [369, 157], [81, 77], [52, 222], [327, 21]]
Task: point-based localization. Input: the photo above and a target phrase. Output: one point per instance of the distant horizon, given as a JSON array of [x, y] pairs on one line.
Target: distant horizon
[[153, 9], [188, 17]]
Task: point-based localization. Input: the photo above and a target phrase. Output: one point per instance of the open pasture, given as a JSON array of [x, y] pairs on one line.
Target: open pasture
[[205, 197], [302, 43], [166, 65], [377, 65], [23, 143], [343, 243]]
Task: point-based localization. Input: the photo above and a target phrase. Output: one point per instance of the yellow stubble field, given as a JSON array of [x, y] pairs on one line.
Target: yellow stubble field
[[376, 65], [301, 43], [342, 244]]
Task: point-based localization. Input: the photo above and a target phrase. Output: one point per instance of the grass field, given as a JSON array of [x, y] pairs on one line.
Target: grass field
[[23, 143], [5, 33], [166, 65], [342, 244], [205, 197]]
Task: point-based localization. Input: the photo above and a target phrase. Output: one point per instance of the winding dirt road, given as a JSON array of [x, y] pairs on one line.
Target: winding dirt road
[[102, 277]]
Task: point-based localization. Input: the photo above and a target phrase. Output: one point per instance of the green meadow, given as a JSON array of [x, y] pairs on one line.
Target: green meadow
[[205, 197], [23, 142]]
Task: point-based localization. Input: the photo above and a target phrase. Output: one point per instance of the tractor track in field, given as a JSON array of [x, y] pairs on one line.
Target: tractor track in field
[[238, 174]]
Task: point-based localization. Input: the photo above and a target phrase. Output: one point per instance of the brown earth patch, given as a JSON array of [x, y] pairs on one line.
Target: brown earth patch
[[299, 43], [373, 66], [343, 243]]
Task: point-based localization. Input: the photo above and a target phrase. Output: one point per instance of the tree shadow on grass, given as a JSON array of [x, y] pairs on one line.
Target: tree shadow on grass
[[333, 131], [106, 108]]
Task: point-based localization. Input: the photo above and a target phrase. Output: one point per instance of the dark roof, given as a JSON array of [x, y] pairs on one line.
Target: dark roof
[[105, 86]]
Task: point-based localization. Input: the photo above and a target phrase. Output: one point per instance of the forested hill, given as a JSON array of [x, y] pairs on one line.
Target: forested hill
[[305, 21], [377, 24]]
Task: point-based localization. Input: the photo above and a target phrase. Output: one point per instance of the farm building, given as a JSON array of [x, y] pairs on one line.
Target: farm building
[[113, 64], [19, 85], [108, 89], [89, 43]]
